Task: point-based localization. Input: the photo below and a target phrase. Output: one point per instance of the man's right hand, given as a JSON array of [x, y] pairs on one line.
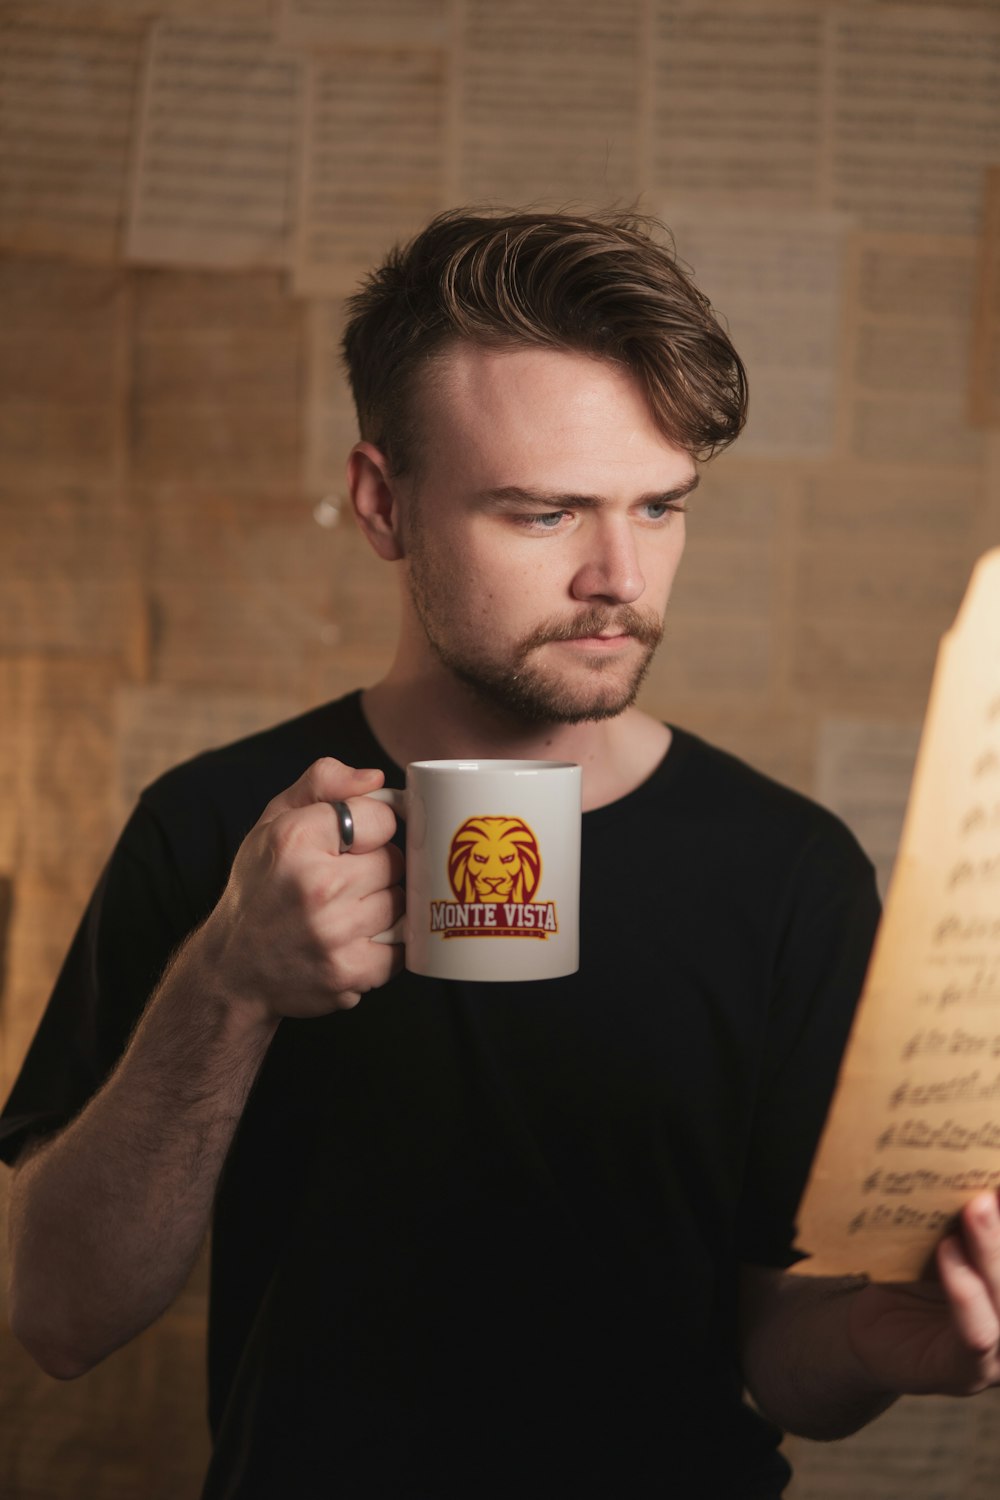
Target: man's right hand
[[292, 932], [107, 1215]]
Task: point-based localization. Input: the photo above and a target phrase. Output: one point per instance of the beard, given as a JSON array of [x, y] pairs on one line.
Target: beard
[[522, 686]]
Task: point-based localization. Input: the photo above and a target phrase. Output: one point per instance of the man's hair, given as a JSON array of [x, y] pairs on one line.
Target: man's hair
[[606, 285]]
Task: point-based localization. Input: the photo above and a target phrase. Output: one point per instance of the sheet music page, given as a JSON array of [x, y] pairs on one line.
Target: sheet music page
[[737, 102], [215, 166], [67, 111], [331, 422], [66, 757], [889, 549], [68, 572], [549, 107], [242, 10], [914, 1129], [910, 303], [216, 384], [10, 762], [923, 1448], [64, 340], [776, 280], [864, 772], [241, 590], [362, 189], [916, 115], [362, 22], [984, 381]]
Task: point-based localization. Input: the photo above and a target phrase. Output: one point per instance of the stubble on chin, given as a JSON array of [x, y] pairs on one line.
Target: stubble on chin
[[531, 692], [524, 688]]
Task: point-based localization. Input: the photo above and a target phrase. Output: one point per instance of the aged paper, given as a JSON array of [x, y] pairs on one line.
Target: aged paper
[[65, 760], [63, 331], [88, 1445], [397, 22], [214, 172], [915, 117], [6, 904], [373, 160], [216, 382], [548, 108], [67, 107], [69, 577], [864, 770], [879, 559], [875, 508], [737, 102], [240, 590], [11, 813], [909, 317], [984, 385], [703, 660], [776, 281], [914, 1129], [331, 422], [925, 1448], [44, 916]]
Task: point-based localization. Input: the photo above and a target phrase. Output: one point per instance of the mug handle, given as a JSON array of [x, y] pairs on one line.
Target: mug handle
[[397, 801]]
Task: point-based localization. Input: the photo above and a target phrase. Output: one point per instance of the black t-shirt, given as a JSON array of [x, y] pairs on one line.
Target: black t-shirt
[[480, 1240]]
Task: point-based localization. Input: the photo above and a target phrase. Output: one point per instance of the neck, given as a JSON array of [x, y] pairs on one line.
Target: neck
[[429, 714]]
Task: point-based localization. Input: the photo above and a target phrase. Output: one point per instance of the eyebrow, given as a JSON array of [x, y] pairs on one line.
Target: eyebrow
[[515, 497]]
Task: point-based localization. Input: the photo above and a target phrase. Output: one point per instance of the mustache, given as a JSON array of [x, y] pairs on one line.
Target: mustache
[[623, 620]]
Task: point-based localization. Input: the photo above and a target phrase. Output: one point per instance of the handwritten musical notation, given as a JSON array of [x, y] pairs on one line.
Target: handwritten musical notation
[[914, 1129]]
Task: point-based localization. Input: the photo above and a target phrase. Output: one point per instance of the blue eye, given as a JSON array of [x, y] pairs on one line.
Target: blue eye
[[547, 521]]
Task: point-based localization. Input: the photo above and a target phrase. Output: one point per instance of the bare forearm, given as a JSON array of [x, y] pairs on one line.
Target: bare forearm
[[799, 1364], [107, 1218]]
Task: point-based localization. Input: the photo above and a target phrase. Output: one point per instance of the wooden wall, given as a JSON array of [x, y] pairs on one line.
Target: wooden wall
[[187, 192]]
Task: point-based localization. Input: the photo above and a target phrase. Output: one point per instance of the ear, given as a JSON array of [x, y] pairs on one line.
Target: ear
[[375, 501]]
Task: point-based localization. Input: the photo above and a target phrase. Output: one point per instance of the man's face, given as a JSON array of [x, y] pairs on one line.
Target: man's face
[[544, 531]]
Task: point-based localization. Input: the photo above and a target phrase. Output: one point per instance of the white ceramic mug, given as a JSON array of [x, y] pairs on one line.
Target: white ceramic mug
[[492, 868]]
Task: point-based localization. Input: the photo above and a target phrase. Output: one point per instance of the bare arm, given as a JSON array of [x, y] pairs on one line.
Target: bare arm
[[107, 1217], [798, 1361], [823, 1357]]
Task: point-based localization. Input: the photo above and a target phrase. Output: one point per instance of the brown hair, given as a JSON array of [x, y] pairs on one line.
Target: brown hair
[[604, 285]]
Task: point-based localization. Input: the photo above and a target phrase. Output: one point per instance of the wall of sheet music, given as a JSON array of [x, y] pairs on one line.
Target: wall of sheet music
[[187, 193]]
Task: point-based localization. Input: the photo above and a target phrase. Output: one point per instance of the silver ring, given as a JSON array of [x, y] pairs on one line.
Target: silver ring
[[346, 824]]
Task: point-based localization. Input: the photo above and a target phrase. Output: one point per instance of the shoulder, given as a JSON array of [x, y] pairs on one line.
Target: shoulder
[[255, 768], [196, 815], [754, 824], [738, 789]]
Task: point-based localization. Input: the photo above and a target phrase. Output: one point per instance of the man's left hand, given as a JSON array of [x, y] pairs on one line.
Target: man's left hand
[[938, 1337]]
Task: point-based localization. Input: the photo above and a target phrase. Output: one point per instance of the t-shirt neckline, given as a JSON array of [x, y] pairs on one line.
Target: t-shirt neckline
[[666, 769]]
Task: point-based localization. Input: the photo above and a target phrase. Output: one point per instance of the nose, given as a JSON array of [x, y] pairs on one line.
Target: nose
[[609, 569]]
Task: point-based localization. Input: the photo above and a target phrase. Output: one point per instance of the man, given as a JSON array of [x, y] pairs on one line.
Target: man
[[484, 1240]]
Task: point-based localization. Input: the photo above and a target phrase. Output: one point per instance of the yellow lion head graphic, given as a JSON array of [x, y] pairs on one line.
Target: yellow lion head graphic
[[494, 859]]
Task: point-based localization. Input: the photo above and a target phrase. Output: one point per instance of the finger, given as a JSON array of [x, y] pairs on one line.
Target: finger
[[981, 1231], [381, 911], [362, 965], [374, 824], [317, 828], [972, 1308], [368, 874], [326, 780]]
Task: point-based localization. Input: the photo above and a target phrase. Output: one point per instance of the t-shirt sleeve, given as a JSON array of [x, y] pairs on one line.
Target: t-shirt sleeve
[[822, 955], [137, 916]]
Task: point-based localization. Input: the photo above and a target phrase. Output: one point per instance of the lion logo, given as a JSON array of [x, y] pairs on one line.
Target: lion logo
[[494, 859]]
